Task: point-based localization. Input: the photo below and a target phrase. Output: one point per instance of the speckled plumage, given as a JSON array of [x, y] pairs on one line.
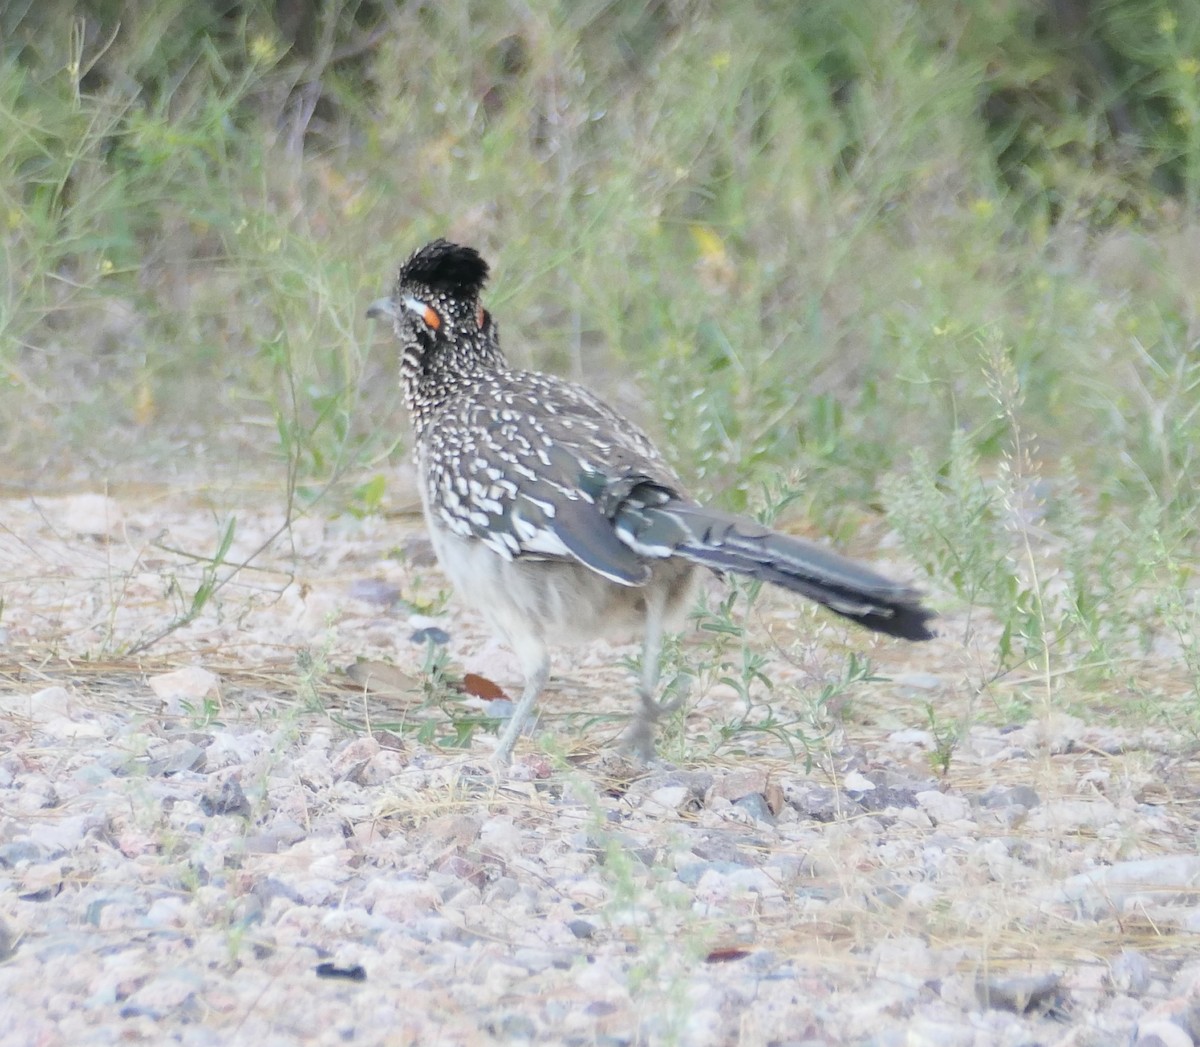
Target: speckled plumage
[[557, 517]]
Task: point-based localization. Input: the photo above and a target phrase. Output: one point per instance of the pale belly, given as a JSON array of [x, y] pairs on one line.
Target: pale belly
[[554, 601]]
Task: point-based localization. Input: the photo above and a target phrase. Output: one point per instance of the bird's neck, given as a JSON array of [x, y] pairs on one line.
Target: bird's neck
[[432, 381]]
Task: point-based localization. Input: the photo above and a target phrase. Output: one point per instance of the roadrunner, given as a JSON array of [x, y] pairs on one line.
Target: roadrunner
[[557, 518]]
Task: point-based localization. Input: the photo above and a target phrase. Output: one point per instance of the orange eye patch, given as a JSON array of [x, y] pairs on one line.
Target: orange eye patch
[[429, 316]]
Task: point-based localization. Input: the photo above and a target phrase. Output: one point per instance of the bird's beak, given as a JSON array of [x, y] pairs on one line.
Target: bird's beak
[[380, 308]]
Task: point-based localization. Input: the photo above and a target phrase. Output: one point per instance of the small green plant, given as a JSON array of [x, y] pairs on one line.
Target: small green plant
[[312, 667], [449, 724], [946, 736], [215, 574], [367, 497], [205, 713]]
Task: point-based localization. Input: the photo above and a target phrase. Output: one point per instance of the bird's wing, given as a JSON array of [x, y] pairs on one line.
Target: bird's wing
[[538, 467]]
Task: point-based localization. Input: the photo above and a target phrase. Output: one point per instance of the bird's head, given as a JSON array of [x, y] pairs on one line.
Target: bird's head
[[435, 300]]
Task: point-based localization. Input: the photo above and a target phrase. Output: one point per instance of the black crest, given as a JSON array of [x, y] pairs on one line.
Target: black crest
[[442, 266]]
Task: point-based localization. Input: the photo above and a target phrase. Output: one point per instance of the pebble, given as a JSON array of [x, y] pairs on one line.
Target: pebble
[[185, 688], [225, 797], [433, 634], [671, 797], [735, 785], [1010, 796], [50, 703], [20, 852], [943, 807], [854, 782], [374, 591], [581, 928], [90, 516], [1146, 882], [1019, 994], [755, 805], [1162, 1033], [1131, 972]]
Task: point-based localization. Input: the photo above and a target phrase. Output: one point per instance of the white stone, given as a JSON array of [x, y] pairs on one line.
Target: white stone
[[91, 515]]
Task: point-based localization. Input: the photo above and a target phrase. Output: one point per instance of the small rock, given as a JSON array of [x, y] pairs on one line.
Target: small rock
[[1131, 973], [854, 782], [1065, 816], [374, 591], [535, 960], [1057, 733], [355, 972], [430, 634], [449, 832], [91, 515], [1016, 796], [914, 737], [1021, 995], [499, 837], [813, 801], [1146, 882], [225, 798], [737, 784], [756, 806], [353, 760], [173, 757], [50, 703], [929, 1032], [265, 890], [69, 728], [671, 797], [1161, 1033], [59, 836], [690, 873], [165, 912], [513, 1027], [418, 551], [185, 687], [165, 993], [13, 854], [942, 807], [532, 767], [581, 928], [9, 940]]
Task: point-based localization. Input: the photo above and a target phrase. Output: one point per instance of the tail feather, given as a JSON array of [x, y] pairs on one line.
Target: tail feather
[[730, 543]]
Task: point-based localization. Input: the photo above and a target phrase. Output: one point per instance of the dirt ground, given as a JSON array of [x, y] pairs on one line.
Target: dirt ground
[[215, 834]]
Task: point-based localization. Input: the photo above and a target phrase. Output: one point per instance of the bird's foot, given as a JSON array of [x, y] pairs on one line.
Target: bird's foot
[[638, 740]]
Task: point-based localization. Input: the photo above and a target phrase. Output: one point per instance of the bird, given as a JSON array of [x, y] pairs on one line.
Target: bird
[[558, 519]]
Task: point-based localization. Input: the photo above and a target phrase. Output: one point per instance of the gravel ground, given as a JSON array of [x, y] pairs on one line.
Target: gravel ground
[[216, 841]]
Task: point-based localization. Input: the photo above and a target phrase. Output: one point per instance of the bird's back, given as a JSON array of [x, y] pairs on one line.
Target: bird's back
[[532, 465]]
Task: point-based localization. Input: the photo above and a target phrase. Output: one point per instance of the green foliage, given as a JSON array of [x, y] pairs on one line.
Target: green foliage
[[789, 226]]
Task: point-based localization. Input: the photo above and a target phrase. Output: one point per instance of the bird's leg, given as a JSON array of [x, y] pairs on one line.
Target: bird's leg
[[639, 738], [536, 663]]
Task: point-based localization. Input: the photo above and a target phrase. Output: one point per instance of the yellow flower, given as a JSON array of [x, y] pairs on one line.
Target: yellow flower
[[263, 50], [709, 244]]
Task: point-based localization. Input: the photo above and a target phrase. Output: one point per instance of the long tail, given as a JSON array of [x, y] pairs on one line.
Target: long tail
[[731, 543]]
